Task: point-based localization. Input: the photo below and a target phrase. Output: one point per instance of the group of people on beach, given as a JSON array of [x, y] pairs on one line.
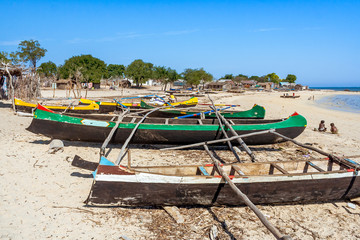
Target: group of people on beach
[[322, 128]]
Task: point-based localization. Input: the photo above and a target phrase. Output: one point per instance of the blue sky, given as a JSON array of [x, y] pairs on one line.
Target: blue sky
[[318, 41]]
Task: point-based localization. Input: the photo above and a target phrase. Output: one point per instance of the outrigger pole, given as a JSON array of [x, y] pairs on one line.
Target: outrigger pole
[[228, 125], [246, 200]]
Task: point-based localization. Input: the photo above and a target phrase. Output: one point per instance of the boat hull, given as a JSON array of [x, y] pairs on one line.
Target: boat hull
[[76, 132], [257, 112], [205, 192]]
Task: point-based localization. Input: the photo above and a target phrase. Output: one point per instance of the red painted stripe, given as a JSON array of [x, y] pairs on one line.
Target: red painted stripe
[[41, 107], [350, 170]]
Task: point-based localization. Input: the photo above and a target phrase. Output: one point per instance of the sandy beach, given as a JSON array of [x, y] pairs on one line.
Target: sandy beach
[[43, 195]]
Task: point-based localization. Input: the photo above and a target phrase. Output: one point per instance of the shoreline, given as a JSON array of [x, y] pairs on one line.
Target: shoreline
[[330, 102]]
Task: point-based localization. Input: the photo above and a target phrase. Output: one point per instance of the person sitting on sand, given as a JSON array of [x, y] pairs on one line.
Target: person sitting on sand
[[322, 127], [333, 129]]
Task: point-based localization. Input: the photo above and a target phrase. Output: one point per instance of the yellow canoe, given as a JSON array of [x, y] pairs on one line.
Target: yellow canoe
[[112, 106], [23, 106]]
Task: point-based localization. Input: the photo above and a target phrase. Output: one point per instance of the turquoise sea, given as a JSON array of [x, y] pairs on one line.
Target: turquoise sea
[[352, 89], [349, 103]]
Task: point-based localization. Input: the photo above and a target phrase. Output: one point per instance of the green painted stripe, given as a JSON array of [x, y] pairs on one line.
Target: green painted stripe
[[255, 112], [293, 121]]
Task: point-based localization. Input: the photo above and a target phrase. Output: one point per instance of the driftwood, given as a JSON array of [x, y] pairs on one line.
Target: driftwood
[[174, 212]]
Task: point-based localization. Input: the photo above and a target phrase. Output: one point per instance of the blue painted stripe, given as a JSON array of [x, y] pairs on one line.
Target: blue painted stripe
[[351, 161], [203, 170], [103, 161]]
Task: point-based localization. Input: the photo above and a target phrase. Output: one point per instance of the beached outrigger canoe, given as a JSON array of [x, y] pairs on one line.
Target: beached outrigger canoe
[[106, 107], [281, 182], [256, 112], [160, 130], [22, 106]]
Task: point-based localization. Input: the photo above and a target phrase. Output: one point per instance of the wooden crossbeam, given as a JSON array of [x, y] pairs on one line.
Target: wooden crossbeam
[[273, 165], [203, 171], [237, 169], [315, 166]]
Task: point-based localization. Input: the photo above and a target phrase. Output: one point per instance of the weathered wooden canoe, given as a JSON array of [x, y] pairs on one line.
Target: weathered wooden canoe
[[159, 130], [264, 183], [106, 107], [256, 112], [289, 96], [22, 106]]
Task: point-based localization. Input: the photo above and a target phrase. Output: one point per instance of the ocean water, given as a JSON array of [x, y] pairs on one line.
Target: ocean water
[[349, 103], [352, 89]]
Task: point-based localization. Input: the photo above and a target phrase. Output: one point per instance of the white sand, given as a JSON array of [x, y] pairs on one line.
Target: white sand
[[42, 194]]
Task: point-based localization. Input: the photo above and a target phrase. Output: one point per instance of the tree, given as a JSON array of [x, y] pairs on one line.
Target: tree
[[4, 57], [194, 76], [228, 76], [172, 75], [243, 76], [256, 78], [12, 58], [264, 78], [115, 70], [48, 69], [139, 71], [273, 78], [161, 73], [30, 51], [291, 78], [92, 69]]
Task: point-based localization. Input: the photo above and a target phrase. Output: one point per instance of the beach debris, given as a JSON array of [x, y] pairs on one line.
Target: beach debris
[[174, 213], [351, 205], [213, 232], [55, 146]]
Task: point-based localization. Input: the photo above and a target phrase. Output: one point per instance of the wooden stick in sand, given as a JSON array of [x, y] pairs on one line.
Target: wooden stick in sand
[[246, 200]]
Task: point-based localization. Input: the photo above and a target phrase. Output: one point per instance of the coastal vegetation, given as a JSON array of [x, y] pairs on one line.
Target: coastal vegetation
[[86, 68]]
